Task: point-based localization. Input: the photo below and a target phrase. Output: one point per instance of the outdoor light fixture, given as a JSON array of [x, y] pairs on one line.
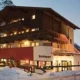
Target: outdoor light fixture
[[22, 19], [33, 16]]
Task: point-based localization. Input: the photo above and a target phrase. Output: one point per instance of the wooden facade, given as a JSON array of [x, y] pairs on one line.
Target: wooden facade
[[16, 18]]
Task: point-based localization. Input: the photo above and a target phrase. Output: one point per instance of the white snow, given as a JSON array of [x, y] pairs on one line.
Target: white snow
[[7, 73]]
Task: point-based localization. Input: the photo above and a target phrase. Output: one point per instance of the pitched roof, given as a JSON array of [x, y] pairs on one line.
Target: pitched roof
[[42, 8]]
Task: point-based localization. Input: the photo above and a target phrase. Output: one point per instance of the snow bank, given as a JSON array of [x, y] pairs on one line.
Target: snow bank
[[15, 74], [7, 73]]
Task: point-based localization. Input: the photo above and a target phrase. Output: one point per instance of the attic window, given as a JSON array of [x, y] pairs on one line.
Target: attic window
[[33, 16]]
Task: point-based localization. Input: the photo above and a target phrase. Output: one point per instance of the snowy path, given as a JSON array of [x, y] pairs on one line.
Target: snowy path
[[18, 74]]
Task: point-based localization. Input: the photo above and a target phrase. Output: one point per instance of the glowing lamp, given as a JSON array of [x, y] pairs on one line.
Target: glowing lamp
[[27, 43], [15, 33], [27, 61]]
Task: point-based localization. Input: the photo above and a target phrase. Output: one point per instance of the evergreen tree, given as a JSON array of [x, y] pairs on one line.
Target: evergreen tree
[[4, 3]]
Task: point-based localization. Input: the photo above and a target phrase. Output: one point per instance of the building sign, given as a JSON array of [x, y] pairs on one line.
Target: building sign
[[42, 53], [43, 56]]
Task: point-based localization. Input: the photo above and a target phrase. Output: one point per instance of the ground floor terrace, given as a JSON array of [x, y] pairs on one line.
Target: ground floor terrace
[[40, 57]]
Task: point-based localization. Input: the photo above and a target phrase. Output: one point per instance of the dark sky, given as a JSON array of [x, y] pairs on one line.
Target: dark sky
[[70, 9]]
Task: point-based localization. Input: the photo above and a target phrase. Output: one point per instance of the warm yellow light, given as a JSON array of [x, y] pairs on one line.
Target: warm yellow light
[[33, 44], [27, 30], [22, 19], [19, 32], [2, 59], [11, 34], [5, 35], [33, 30], [27, 61], [62, 58], [33, 16], [37, 44], [4, 45], [15, 33], [26, 43], [31, 62], [22, 31]]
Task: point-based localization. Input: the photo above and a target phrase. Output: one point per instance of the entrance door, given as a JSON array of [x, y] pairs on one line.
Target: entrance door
[[66, 65]]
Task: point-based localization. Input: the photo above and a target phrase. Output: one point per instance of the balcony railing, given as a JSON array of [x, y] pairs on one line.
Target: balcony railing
[[36, 35]]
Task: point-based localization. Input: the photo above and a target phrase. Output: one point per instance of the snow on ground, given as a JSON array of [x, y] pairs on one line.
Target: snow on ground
[[7, 73]]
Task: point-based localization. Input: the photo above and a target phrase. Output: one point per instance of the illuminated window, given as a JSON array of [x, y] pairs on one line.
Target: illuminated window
[[35, 63], [19, 32], [48, 63], [27, 61], [4, 46], [33, 30], [15, 33], [32, 44], [9, 46], [27, 43], [5, 35], [37, 44], [22, 62], [11, 34], [31, 62], [33, 16], [22, 31], [27, 30], [3, 60], [16, 20], [19, 45], [22, 19]]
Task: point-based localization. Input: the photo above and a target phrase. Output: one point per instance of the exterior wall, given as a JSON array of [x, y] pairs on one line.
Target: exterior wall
[[68, 31], [17, 53], [76, 62], [42, 53]]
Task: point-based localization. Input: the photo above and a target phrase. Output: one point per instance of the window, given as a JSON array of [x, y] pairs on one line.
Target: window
[[3, 60], [4, 46], [37, 44], [33, 16], [34, 29], [22, 19], [15, 33], [27, 43], [22, 62], [33, 44], [27, 30], [31, 62]]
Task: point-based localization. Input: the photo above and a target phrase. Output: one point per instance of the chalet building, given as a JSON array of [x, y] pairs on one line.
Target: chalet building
[[37, 36]]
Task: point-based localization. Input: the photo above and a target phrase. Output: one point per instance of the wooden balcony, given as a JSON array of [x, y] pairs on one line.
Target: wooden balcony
[[36, 35]]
